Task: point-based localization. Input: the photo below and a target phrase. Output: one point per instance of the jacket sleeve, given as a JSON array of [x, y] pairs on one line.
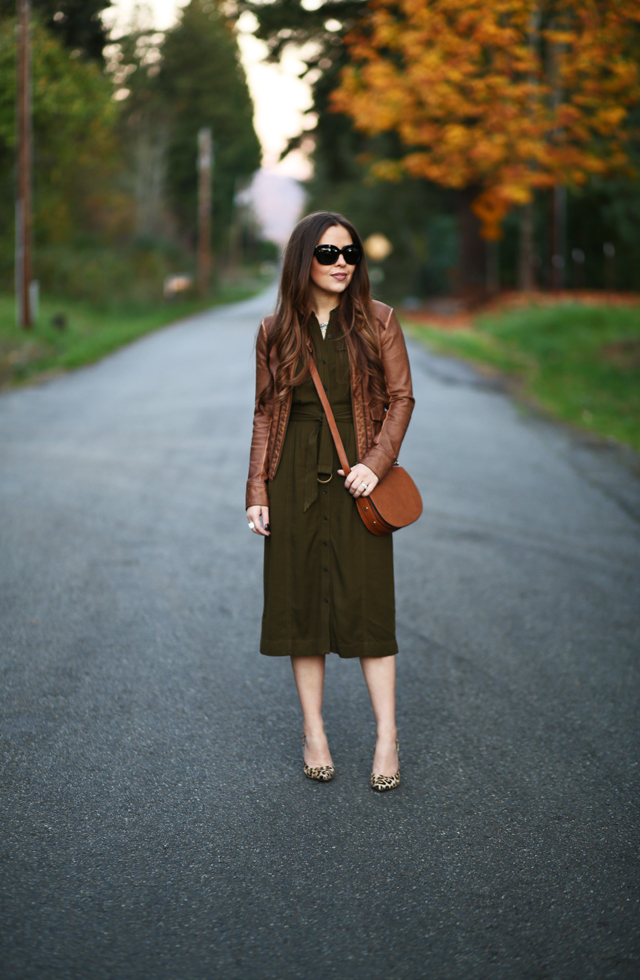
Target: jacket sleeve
[[262, 417], [386, 444]]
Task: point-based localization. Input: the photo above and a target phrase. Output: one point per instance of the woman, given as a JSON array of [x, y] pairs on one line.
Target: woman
[[328, 582]]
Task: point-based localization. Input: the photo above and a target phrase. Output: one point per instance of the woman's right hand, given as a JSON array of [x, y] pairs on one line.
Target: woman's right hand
[[259, 517]]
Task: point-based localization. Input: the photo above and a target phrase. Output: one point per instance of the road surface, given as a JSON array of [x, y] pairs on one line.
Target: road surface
[[155, 821]]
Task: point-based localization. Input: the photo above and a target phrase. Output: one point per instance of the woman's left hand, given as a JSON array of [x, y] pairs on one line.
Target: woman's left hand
[[361, 480]]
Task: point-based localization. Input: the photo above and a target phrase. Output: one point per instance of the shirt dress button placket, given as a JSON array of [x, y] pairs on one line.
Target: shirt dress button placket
[[324, 559]]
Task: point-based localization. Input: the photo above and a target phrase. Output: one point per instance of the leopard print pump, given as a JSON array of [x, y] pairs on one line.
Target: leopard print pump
[[323, 774], [382, 783]]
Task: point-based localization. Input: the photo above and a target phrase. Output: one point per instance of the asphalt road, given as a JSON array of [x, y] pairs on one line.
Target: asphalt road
[[155, 820]]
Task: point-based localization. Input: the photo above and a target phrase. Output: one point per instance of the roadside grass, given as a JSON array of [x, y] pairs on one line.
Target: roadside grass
[[580, 363], [86, 332]]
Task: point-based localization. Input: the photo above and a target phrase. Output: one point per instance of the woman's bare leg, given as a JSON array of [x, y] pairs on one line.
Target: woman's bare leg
[[380, 675], [309, 676]]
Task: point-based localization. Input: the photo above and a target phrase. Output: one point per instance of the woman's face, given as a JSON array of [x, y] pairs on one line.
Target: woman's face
[[333, 279]]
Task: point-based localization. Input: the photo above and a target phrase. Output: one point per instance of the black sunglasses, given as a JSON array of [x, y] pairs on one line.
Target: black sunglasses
[[328, 254]]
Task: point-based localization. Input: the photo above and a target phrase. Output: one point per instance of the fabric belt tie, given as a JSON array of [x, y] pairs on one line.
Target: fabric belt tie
[[319, 463]]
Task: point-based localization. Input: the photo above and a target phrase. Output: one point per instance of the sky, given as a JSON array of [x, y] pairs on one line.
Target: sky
[[279, 96]]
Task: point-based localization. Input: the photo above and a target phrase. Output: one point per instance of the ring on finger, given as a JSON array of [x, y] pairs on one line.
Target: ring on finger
[[251, 526]]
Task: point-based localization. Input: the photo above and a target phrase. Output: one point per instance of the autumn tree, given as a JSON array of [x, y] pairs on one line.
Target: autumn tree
[[495, 99], [412, 214]]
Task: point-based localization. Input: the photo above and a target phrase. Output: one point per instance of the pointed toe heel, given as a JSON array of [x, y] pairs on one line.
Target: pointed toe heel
[[322, 774], [382, 783]]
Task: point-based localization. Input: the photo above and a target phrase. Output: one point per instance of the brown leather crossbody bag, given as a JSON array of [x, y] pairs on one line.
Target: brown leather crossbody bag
[[396, 500]]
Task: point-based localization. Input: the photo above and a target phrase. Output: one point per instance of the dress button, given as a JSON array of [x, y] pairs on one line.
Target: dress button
[[324, 491], [324, 518], [326, 600], [324, 543], [325, 569], [329, 336], [324, 362]]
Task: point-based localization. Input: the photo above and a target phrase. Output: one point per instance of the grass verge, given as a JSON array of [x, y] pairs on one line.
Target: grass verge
[[580, 363], [86, 332]]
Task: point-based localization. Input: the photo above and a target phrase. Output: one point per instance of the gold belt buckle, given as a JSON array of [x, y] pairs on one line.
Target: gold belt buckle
[[326, 481]]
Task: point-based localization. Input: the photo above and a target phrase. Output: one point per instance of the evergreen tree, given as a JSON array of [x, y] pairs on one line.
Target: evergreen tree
[[202, 83]]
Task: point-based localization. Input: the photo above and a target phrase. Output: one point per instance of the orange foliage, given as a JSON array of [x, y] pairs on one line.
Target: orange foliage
[[505, 95]]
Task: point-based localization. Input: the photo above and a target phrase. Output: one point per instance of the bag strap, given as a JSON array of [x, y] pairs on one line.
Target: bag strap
[[342, 456]]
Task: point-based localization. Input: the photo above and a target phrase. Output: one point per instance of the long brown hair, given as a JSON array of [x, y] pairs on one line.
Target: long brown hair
[[289, 328]]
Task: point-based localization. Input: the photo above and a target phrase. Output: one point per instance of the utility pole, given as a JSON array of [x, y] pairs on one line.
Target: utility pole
[[23, 197], [205, 168]]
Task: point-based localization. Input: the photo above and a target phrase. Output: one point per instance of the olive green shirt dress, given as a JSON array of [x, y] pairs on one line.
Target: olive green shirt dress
[[328, 582]]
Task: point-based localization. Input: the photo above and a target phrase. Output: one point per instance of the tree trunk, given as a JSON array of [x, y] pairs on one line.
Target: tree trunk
[[472, 271], [558, 236], [526, 277], [493, 268], [150, 161]]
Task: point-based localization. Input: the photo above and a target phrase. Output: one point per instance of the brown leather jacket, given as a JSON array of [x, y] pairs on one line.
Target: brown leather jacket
[[379, 425]]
